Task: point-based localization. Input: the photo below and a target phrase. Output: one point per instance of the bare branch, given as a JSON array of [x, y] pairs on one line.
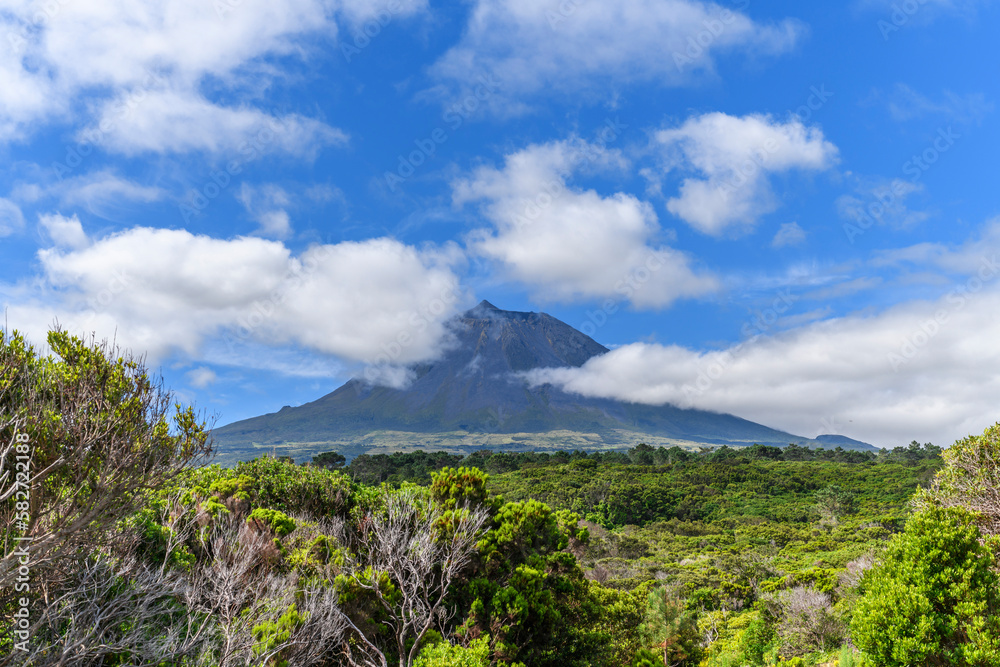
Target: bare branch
[[423, 549]]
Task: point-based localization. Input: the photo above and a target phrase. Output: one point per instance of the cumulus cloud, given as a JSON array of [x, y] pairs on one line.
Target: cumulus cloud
[[533, 47], [141, 68], [358, 12], [923, 369], [568, 243], [734, 157], [164, 291]]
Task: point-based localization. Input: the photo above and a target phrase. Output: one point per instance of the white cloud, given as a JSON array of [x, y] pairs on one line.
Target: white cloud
[[925, 370], [135, 73], [568, 243], [565, 47], [323, 193], [163, 292], [183, 122], [103, 193], [201, 377], [64, 232], [838, 370], [790, 234], [266, 204], [734, 156], [274, 224], [843, 288], [11, 218], [96, 190], [376, 301], [883, 202], [24, 95], [955, 259], [904, 104]]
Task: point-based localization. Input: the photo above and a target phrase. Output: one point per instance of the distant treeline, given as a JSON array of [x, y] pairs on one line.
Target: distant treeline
[[417, 466]]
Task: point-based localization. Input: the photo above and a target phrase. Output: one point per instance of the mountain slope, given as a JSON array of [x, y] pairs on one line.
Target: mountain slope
[[841, 441], [473, 390]]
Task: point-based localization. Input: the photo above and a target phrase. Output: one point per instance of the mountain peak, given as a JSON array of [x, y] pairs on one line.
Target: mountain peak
[[513, 341], [487, 311]]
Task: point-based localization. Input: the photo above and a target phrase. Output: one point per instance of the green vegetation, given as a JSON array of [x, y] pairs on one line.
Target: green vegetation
[[443, 654], [935, 599], [648, 557], [277, 522]]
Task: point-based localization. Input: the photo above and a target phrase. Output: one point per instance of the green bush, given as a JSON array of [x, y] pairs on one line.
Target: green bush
[[443, 654], [646, 658], [236, 487], [280, 523], [935, 598], [283, 486], [271, 634]]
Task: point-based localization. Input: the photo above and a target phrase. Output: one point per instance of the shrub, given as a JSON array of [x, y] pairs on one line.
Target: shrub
[[272, 634], [970, 479], [283, 486], [805, 621], [935, 598], [278, 522], [443, 654], [101, 434]]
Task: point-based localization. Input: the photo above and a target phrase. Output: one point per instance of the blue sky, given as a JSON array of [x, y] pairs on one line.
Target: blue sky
[[786, 211]]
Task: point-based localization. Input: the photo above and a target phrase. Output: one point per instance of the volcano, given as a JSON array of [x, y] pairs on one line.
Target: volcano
[[474, 396]]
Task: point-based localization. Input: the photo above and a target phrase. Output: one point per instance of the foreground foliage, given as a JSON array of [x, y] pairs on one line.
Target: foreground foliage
[[935, 598], [85, 434], [651, 557]]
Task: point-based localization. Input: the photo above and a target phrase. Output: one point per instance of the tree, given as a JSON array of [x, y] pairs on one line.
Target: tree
[[621, 614], [531, 596], [646, 658], [238, 585], [970, 478], [85, 435], [452, 487], [934, 600], [672, 628], [641, 454], [329, 460], [410, 553]]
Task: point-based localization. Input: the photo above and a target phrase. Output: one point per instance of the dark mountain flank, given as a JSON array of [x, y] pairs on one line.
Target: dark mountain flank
[[842, 441], [473, 397]]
